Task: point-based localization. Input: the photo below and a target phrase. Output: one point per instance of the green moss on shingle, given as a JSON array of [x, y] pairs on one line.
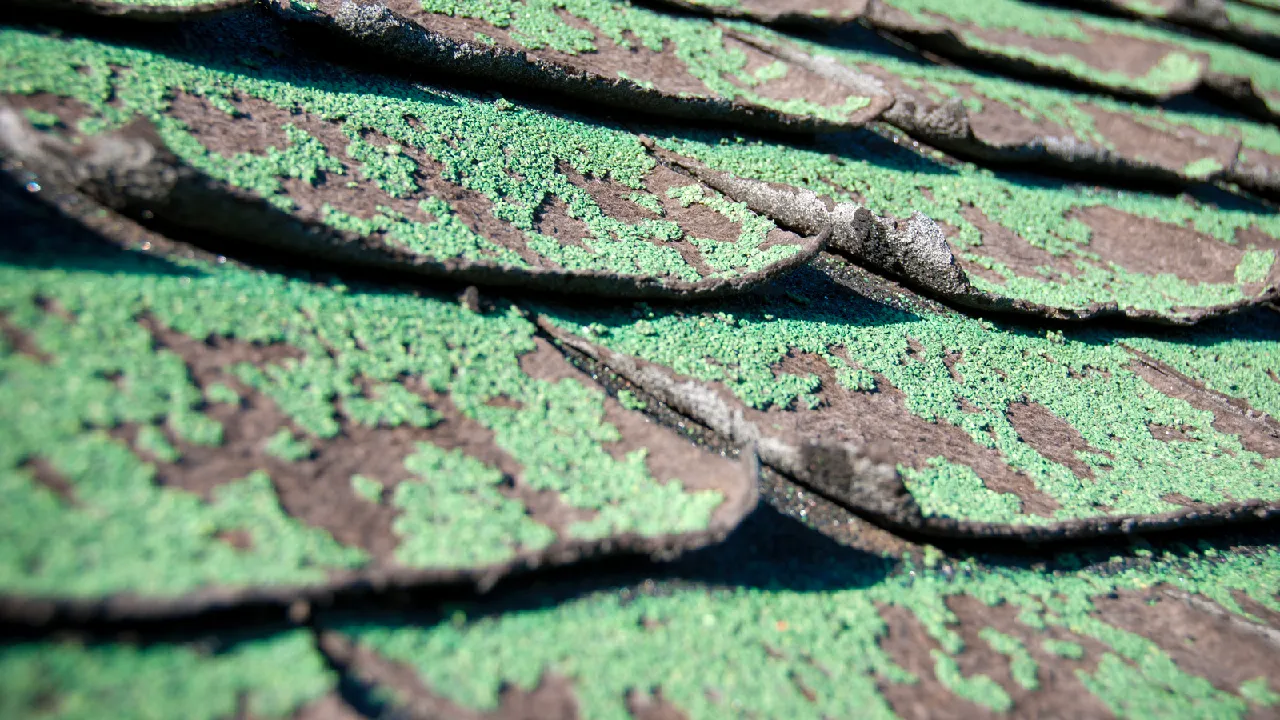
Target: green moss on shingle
[[894, 181], [742, 648], [1083, 377], [272, 677], [454, 516], [126, 532], [513, 156]]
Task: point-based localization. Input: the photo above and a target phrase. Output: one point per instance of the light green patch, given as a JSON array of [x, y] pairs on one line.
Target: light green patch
[[152, 441], [221, 393], [1255, 265], [266, 678], [1063, 648], [951, 490], [367, 488], [454, 515], [978, 689], [286, 447], [1202, 168], [1022, 666], [1258, 692], [648, 201], [40, 119], [630, 401]]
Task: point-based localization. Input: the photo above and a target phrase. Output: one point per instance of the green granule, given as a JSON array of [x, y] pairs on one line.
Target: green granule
[[40, 119], [630, 400], [284, 446], [1255, 265], [220, 393], [267, 678], [513, 156], [978, 689], [1083, 376], [1063, 648], [367, 488], [454, 516], [1022, 666], [1202, 168], [743, 645], [648, 201], [151, 440]]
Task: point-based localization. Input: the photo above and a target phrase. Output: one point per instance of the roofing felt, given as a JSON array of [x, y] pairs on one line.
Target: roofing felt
[[342, 383]]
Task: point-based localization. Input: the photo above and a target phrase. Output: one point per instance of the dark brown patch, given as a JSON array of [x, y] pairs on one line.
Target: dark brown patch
[[799, 82], [45, 475], [1201, 643], [1257, 431], [239, 539], [1004, 246], [881, 419], [1103, 51], [1147, 246], [653, 706], [909, 646], [552, 699], [21, 341], [327, 707], [1051, 436], [1174, 148], [1169, 433], [553, 219], [1183, 500]]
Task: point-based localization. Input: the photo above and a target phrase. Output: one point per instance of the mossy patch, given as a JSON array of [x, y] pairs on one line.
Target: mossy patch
[[269, 677], [116, 331], [1085, 378], [779, 651], [515, 161], [1025, 237]]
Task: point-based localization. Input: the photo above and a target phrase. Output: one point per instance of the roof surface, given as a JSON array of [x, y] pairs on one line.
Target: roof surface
[[568, 359]]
